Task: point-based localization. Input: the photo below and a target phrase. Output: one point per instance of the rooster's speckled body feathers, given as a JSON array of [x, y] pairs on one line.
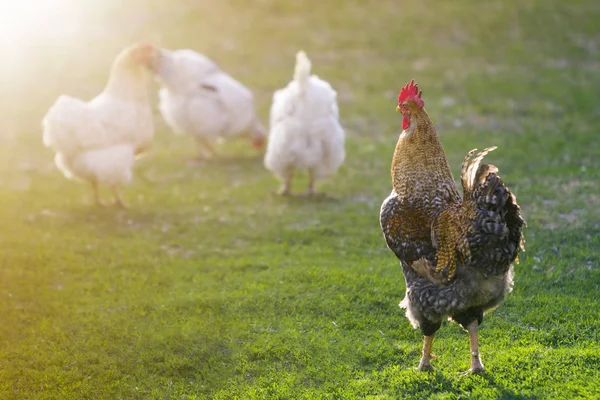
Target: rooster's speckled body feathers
[[456, 254]]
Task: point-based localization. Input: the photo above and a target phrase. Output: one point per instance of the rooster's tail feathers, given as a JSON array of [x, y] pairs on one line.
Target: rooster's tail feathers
[[501, 214], [472, 173], [302, 71]]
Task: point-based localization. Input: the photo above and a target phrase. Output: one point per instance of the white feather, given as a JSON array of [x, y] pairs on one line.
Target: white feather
[[98, 140], [302, 70], [305, 131], [200, 99]]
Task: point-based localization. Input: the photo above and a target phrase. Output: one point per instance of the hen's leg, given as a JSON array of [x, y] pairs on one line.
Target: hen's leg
[[425, 364], [206, 149], [118, 198], [284, 189], [310, 190], [96, 190], [476, 365]]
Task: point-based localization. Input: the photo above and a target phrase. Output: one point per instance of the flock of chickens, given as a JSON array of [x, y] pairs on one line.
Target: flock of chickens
[[98, 141], [456, 253]]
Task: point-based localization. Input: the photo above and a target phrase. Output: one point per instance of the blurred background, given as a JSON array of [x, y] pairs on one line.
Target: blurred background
[[506, 68], [368, 49], [209, 284]]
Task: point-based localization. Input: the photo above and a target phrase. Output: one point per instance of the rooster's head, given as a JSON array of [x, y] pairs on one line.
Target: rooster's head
[[409, 102]]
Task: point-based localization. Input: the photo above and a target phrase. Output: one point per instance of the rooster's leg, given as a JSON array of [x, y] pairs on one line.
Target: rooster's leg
[[476, 365], [118, 198], [425, 364], [284, 189]]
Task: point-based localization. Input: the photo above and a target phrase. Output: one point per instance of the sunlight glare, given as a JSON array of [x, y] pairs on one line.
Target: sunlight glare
[[25, 23]]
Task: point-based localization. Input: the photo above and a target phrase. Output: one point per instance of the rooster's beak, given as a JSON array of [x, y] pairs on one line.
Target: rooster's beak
[[397, 108]]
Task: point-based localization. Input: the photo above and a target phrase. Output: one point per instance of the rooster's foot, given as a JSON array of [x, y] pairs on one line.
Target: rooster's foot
[[476, 366], [425, 364], [426, 356], [472, 371]]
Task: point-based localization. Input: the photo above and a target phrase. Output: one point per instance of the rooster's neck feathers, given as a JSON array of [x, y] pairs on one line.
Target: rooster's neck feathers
[[420, 167]]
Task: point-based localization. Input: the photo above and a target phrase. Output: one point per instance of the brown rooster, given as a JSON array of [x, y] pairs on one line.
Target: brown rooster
[[456, 254]]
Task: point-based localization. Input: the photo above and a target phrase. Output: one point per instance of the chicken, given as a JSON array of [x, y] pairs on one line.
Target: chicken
[[456, 254], [200, 99], [98, 141], [305, 131]]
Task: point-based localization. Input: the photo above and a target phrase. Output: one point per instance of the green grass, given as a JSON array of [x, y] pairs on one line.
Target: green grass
[[210, 287]]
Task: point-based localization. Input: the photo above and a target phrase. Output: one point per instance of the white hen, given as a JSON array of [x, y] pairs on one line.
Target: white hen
[[305, 129], [200, 99], [97, 141]]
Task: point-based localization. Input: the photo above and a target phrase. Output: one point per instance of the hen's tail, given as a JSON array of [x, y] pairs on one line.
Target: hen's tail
[[302, 71], [498, 236], [62, 123]]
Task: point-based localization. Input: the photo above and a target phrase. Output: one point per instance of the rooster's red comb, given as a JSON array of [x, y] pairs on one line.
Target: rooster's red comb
[[411, 92]]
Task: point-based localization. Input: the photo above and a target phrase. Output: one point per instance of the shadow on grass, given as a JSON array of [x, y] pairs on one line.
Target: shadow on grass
[[237, 160], [302, 198], [105, 219], [505, 393]]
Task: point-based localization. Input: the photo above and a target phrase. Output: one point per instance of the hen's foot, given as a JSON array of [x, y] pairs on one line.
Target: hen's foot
[[205, 150], [204, 157], [118, 199], [115, 203], [121, 204], [283, 191], [286, 185], [97, 199], [197, 160], [310, 192]]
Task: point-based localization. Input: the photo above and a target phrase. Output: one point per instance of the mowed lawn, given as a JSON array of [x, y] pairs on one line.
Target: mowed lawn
[[210, 287]]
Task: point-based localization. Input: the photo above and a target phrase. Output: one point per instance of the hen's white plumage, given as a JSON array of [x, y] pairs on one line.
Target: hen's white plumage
[[97, 141], [305, 132], [200, 99]]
